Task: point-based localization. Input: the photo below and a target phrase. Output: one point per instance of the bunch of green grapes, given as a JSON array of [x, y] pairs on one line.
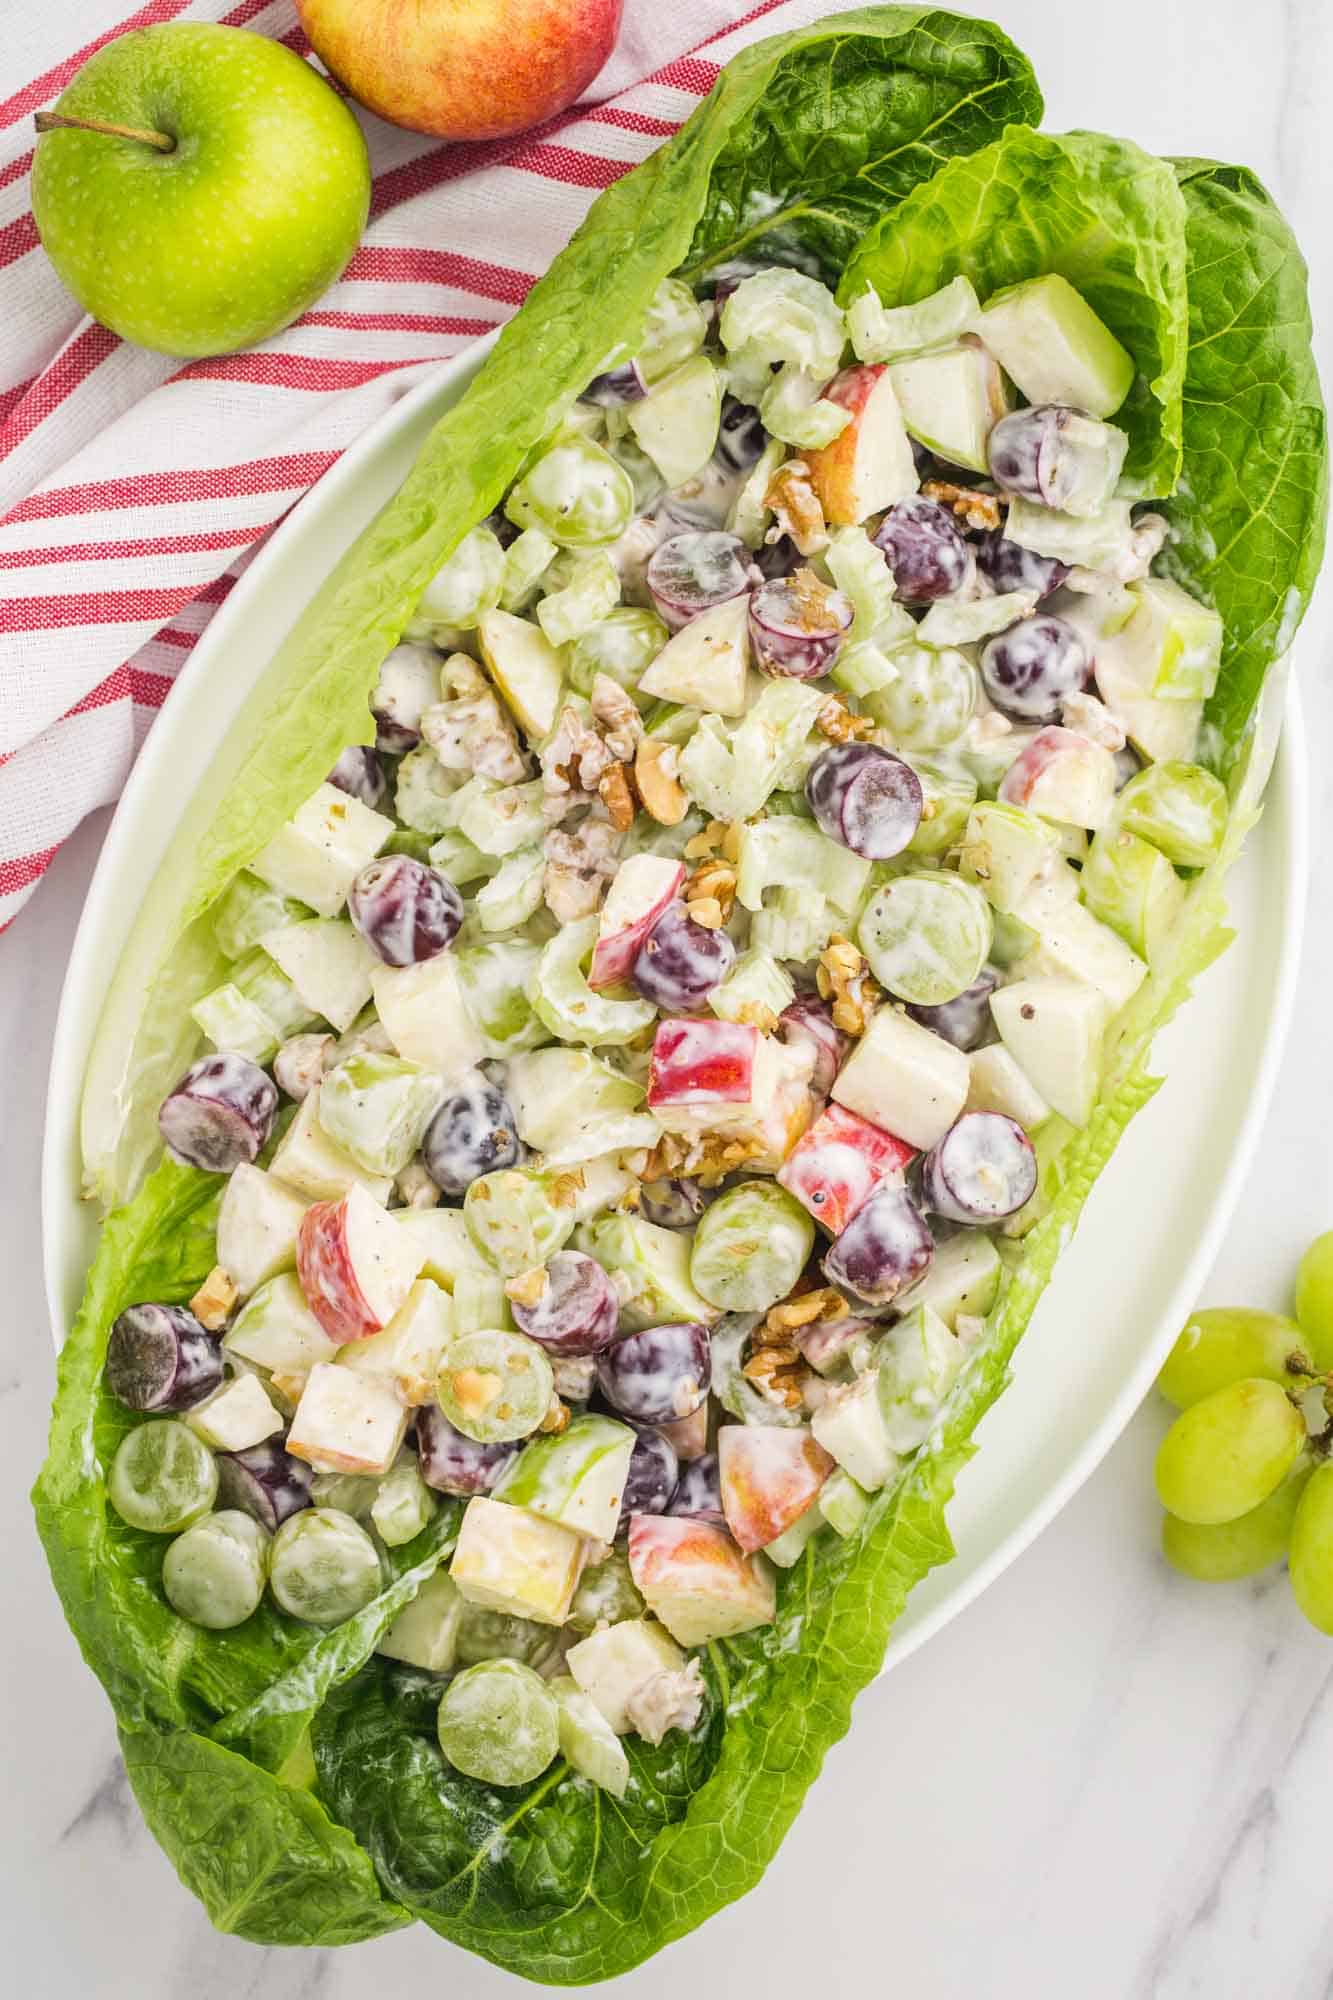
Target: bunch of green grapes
[[1243, 1478]]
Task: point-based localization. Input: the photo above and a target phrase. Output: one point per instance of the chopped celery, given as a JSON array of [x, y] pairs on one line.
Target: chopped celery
[[497, 981], [732, 771], [793, 409], [501, 819], [793, 854], [781, 315], [512, 895], [480, 1300], [880, 333], [455, 856], [863, 669], [756, 990], [261, 981], [234, 1023], [591, 593], [248, 909], [526, 560], [861, 573], [750, 513], [962, 624], [677, 422], [793, 925], [424, 791], [948, 797], [563, 999], [675, 328]]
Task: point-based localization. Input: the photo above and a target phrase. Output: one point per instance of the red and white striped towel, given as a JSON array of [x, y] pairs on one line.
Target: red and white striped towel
[[133, 489]]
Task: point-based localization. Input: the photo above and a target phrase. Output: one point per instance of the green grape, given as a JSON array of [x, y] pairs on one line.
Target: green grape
[[575, 493], [750, 1247], [466, 586], [351, 1493], [1222, 1344], [499, 1635], [1225, 1454], [932, 699], [512, 1219], [606, 1593], [1229, 1550], [162, 1478], [214, 1573], [498, 1722], [1180, 808], [1132, 887], [949, 797], [495, 1386], [622, 645], [323, 1567], [1310, 1558], [926, 937], [1314, 1300]]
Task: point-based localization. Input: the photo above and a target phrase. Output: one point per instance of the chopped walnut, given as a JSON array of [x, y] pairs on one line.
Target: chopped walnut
[[619, 720], [572, 763], [578, 865], [613, 789], [836, 721], [666, 1700], [655, 767], [803, 1308], [574, 1376], [842, 977], [564, 1190], [415, 1188], [470, 731], [301, 1062], [214, 1299], [707, 1157], [529, 1288], [1091, 718], [712, 882], [556, 1418], [706, 842], [778, 1373], [978, 510], [796, 509]]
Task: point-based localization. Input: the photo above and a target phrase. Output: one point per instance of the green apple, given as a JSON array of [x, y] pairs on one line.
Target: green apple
[[197, 187]]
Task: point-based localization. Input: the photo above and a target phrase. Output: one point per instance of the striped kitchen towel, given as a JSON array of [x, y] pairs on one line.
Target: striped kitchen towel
[[134, 488]]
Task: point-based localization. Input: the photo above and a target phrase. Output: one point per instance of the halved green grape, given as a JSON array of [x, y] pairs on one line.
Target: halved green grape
[[930, 701], [351, 1493], [1222, 1344], [162, 1478], [606, 1594], [1314, 1300], [1224, 1455], [575, 493], [948, 799], [498, 1635], [588, 1743], [926, 937], [1229, 1550], [323, 1567], [513, 1218], [467, 584], [404, 1503], [214, 1573], [1181, 809], [1310, 1557], [1130, 885], [563, 999], [499, 1722], [750, 1247], [495, 1386], [622, 645]]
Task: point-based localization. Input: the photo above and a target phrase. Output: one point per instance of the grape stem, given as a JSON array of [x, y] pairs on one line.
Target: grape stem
[[56, 121]]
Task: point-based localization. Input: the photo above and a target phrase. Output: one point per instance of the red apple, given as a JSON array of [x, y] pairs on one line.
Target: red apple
[[768, 1477], [1063, 776], [869, 465], [463, 69], [693, 1577], [356, 1265], [643, 887], [840, 1162], [702, 1062]]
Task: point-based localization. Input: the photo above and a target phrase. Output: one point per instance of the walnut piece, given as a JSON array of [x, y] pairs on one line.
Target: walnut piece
[[214, 1299], [778, 1373], [978, 510], [796, 509], [655, 766], [556, 1418], [617, 717], [712, 882], [529, 1288], [613, 789], [842, 977], [707, 1157], [301, 1062], [578, 866], [836, 721], [469, 730]]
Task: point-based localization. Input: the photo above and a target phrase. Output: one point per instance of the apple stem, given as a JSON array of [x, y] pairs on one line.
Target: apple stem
[[56, 121]]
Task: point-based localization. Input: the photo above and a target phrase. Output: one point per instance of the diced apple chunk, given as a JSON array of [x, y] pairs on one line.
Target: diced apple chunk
[[693, 1577], [257, 1225], [423, 1012], [769, 1477], [1172, 644], [612, 1665], [1053, 1028], [964, 1277], [702, 1062], [510, 1560], [346, 1422], [701, 1085], [998, 1084], [643, 886], [277, 1330], [576, 1477], [355, 1264], [441, 1243], [1049, 341], [1062, 776], [704, 665], [836, 1166], [850, 1427], [329, 964], [1073, 944], [408, 1353], [425, 1632], [236, 1416], [526, 668], [905, 1078], [308, 1161], [321, 850], [951, 401], [869, 465]]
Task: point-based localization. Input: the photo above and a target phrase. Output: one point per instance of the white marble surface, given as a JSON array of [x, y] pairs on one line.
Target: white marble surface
[[1100, 1781]]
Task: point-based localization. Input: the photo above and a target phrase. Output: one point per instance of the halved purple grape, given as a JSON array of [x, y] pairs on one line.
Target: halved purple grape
[[680, 962], [473, 1133], [674, 1204], [160, 1358], [965, 1020], [1030, 668], [694, 572], [808, 1021], [452, 1463], [578, 1313], [500, 525], [865, 797], [623, 384], [220, 1114], [651, 1479], [658, 1374], [885, 1247], [983, 1169], [265, 1482], [409, 683], [405, 911], [741, 436], [925, 549], [1042, 453], [698, 1493], [798, 625], [360, 773], [1009, 566]]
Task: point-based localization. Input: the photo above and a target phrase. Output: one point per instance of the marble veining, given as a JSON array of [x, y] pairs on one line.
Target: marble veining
[[1099, 1783]]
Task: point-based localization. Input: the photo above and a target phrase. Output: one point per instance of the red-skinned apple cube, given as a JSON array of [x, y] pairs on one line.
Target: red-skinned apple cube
[[702, 1062], [838, 1164], [356, 1266], [693, 1577], [869, 465], [644, 885], [769, 1477], [1062, 776]]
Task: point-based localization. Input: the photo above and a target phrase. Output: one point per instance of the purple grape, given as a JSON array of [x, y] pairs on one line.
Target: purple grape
[[983, 1169], [692, 573], [360, 773], [884, 1247], [1031, 455], [1009, 566], [651, 1479], [473, 1133], [219, 1115], [264, 1481], [675, 1204], [578, 1313], [659, 1374], [452, 1463], [865, 797], [1029, 669], [777, 559], [408, 684], [924, 547], [1128, 764], [680, 962], [966, 1019], [742, 437], [808, 1022], [698, 1493], [405, 911], [624, 384], [797, 626], [160, 1358]]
